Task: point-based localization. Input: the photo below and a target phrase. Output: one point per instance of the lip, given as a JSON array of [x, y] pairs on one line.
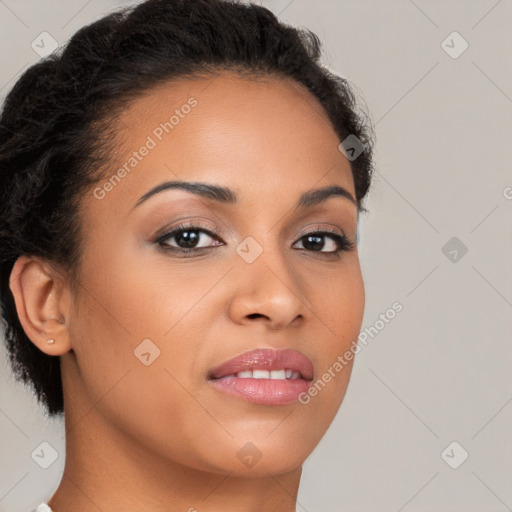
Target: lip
[[264, 391], [266, 359]]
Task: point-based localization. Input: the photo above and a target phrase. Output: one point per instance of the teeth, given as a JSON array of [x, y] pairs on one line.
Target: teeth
[[265, 374], [278, 374], [260, 374]]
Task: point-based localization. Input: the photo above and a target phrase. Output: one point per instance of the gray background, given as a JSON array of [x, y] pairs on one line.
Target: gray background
[[440, 370]]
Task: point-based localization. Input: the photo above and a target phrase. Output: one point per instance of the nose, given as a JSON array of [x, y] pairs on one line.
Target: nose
[[268, 291]]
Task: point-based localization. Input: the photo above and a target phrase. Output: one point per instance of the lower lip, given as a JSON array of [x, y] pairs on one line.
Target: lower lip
[[263, 391]]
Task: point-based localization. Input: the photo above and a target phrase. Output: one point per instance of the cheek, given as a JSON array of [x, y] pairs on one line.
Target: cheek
[[129, 309], [155, 402], [339, 310], [340, 307], [129, 313]]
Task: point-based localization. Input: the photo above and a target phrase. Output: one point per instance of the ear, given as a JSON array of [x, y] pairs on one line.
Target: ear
[[42, 299]]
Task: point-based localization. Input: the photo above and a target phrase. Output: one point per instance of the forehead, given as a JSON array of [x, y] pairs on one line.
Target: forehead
[[267, 136]]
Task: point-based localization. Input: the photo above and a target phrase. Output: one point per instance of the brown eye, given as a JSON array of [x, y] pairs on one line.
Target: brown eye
[[187, 238], [315, 242]]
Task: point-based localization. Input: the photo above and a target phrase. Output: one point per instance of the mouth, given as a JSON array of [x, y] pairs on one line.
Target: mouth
[[264, 376]]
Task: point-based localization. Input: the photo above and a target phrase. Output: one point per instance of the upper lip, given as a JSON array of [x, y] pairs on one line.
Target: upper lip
[[265, 359]]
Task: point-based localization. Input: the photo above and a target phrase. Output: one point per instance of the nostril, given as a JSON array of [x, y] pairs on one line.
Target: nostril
[[254, 315]]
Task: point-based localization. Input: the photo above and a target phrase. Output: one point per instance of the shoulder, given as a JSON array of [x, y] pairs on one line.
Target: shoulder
[[42, 507]]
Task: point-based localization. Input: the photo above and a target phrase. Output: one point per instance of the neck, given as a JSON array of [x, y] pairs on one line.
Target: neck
[[106, 470]]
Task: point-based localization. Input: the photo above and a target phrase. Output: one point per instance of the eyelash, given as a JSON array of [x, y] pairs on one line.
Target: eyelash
[[343, 243]]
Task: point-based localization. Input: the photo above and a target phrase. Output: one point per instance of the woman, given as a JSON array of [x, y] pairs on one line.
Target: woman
[[181, 187]]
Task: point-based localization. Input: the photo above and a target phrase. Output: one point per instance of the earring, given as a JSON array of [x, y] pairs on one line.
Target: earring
[[50, 341]]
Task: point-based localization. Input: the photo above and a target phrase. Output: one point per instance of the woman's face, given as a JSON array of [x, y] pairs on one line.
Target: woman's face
[[151, 322]]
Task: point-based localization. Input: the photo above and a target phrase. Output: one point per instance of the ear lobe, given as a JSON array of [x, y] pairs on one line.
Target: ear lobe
[[42, 303]]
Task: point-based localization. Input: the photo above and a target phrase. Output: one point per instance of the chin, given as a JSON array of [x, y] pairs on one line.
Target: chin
[[258, 456]]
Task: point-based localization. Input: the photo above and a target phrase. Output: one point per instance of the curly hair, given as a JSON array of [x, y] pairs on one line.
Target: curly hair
[[56, 126]]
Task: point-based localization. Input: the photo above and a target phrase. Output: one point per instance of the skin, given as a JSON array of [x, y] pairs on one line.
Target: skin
[[160, 437]]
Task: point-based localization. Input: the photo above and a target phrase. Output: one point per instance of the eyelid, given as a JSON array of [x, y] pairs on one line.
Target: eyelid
[[213, 230], [187, 224], [318, 226]]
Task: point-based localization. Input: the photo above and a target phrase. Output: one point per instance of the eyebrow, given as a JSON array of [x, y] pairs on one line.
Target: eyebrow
[[228, 196]]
